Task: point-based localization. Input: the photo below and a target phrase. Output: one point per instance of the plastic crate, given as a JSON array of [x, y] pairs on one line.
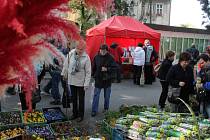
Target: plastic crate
[[5, 118], [30, 131], [70, 130], [107, 128], [25, 121], [54, 114], [8, 129]]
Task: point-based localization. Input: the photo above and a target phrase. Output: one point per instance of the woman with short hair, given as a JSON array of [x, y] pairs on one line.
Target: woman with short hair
[[164, 68]]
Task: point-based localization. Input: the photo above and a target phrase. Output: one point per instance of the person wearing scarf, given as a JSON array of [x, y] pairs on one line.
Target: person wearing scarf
[[77, 71]]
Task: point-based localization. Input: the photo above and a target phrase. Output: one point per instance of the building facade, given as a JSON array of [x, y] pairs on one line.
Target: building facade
[[179, 39], [150, 11]]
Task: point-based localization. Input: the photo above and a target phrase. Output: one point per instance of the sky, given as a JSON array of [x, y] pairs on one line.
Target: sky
[[186, 12]]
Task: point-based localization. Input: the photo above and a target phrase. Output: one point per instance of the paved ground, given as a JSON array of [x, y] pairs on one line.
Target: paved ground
[[122, 93]]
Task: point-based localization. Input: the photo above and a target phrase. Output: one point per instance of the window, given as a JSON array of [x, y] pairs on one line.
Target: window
[[178, 47], [196, 43], [201, 45], [185, 44], [159, 9], [173, 43], [191, 40]]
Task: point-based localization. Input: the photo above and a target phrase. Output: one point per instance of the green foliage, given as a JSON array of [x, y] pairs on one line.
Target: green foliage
[[206, 9], [120, 8], [87, 17], [193, 116]]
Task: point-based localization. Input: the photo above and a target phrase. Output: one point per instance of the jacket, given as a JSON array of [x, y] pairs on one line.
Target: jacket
[[83, 76], [194, 55], [103, 79], [138, 56], [150, 55], [204, 74], [117, 53], [177, 74], [164, 68]]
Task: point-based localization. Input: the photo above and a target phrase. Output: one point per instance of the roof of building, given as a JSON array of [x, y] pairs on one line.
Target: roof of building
[[178, 29]]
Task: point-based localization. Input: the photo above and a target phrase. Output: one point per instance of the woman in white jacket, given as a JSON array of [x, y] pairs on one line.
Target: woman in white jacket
[[138, 63]]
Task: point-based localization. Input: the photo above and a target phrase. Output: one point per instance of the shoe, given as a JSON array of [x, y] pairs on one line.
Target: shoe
[[55, 102], [80, 119], [73, 117], [93, 114], [105, 110]]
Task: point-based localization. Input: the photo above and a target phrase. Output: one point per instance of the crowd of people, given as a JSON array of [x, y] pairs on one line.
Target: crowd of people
[[190, 77], [76, 72]]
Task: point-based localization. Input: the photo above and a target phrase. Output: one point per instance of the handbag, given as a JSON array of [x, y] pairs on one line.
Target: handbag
[[36, 96], [173, 94]]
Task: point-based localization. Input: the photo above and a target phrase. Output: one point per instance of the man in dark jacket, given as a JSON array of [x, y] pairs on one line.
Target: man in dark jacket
[[117, 53], [164, 68], [150, 57], [180, 76], [194, 55], [103, 66]]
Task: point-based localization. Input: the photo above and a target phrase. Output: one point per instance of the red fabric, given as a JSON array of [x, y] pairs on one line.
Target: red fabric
[[117, 54], [123, 26], [122, 30], [21, 21]]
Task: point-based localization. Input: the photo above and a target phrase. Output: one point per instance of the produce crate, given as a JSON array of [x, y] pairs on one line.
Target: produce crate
[[64, 129], [11, 132], [54, 114], [107, 128], [118, 135], [11, 118], [35, 117], [38, 130]]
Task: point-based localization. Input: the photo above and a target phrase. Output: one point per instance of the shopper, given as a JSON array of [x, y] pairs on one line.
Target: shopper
[[164, 68], [117, 53], [78, 68], [194, 55], [138, 63], [204, 75], [150, 57], [180, 77], [103, 66]]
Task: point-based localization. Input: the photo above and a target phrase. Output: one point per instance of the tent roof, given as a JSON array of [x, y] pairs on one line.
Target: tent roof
[[123, 26]]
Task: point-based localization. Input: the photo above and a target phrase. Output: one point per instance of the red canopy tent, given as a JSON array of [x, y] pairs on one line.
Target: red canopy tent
[[122, 30]]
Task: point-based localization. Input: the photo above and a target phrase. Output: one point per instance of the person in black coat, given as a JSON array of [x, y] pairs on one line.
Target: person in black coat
[[181, 76], [194, 55], [103, 66], [164, 68]]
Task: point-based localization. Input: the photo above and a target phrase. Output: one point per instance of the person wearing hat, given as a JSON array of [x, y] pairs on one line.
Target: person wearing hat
[[102, 68], [117, 53]]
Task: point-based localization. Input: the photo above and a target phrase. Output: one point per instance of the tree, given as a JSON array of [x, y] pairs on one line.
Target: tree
[[120, 8], [87, 17], [206, 9]]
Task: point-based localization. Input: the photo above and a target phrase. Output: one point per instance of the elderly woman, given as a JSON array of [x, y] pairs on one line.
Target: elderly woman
[[77, 70], [180, 76]]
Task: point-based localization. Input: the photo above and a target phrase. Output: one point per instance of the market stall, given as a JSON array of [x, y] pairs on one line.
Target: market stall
[[146, 123], [123, 30], [42, 124]]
